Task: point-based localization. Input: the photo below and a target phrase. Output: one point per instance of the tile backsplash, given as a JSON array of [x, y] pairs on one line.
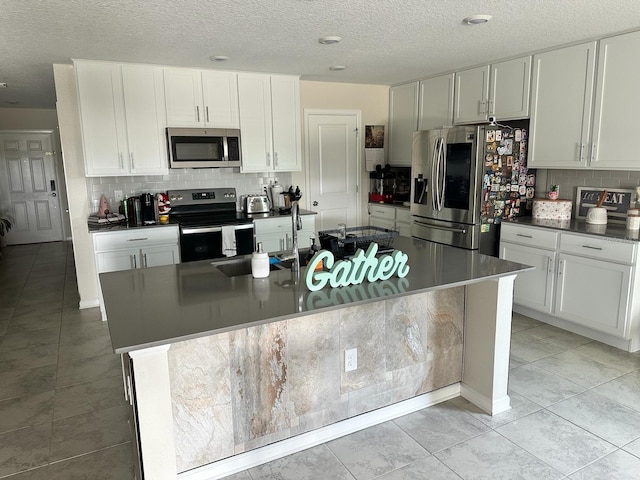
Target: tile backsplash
[[569, 180], [245, 183]]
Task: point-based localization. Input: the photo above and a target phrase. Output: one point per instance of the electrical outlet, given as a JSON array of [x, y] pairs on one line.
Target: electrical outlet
[[350, 359], [118, 195]]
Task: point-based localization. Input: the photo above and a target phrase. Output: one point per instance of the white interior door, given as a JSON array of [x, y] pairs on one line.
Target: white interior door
[[332, 150], [27, 160]]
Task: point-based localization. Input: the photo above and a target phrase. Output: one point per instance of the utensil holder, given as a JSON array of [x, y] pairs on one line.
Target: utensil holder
[[597, 216]]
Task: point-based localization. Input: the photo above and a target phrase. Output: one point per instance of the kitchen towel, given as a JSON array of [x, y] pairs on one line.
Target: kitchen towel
[[229, 241]]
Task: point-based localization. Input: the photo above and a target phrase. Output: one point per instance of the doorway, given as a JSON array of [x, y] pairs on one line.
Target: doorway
[[334, 165], [29, 185]]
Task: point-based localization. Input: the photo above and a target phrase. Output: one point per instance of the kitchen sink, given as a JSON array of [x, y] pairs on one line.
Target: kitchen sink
[[242, 266]]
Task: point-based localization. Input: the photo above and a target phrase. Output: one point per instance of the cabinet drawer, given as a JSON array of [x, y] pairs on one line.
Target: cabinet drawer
[[596, 247], [381, 211], [140, 237], [272, 225], [403, 215], [535, 237]]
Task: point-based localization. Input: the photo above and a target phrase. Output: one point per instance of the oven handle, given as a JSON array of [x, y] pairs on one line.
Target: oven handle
[[188, 231], [244, 226], [438, 227]]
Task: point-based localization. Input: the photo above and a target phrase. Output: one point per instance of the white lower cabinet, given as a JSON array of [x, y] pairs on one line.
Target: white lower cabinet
[[139, 248], [276, 233], [390, 218], [584, 283]]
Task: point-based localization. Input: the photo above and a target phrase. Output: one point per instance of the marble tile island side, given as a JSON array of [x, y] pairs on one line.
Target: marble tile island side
[[232, 372]]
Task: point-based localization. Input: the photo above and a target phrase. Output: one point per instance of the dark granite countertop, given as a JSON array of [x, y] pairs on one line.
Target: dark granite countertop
[[612, 230], [162, 305]]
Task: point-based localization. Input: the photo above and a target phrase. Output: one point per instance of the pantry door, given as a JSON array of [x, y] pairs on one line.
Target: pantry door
[[30, 183], [333, 155]]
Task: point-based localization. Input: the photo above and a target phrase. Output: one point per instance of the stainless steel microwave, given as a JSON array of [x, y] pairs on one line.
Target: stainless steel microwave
[[203, 147]]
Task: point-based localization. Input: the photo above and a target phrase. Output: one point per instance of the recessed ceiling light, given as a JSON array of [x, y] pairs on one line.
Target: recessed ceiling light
[[3, 85], [329, 40], [337, 68], [477, 19], [12, 102], [218, 58]]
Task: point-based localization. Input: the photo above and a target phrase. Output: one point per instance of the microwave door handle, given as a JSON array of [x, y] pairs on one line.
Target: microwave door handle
[[225, 149]]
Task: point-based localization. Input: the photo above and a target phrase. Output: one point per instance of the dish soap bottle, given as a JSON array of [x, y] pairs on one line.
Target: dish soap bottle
[[260, 263]]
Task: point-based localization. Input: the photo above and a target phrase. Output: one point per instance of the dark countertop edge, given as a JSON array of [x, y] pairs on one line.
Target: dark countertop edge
[[611, 230], [274, 214], [517, 269]]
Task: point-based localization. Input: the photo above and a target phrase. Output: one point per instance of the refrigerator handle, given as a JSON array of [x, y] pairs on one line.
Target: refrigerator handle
[[434, 179], [443, 173]]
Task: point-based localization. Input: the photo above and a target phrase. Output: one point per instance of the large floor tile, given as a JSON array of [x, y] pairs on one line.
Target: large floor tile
[[82, 332], [520, 407], [89, 432], [34, 338], [37, 309], [239, 476], [633, 448], [601, 416], [618, 465], [611, 356], [92, 347], [555, 441], [311, 464], [36, 380], [559, 337], [23, 359], [376, 450], [625, 390], [490, 456], [26, 411], [24, 449], [540, 386], [115, 463], [426, 468], [521, 322], [441, 426], [88, 397], [83, 370], [579, 369], [527, 348]]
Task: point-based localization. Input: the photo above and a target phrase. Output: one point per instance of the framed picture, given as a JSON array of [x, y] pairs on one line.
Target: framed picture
[[617, 201]]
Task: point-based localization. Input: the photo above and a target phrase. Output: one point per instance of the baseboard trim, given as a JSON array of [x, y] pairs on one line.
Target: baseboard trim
[[88, 304], [491, 407], [268, 453]]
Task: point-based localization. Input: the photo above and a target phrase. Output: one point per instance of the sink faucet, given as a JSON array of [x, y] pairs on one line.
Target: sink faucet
[[296, 224]]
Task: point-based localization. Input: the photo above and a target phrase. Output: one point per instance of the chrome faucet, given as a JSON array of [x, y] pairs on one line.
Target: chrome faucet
[[296, 224]]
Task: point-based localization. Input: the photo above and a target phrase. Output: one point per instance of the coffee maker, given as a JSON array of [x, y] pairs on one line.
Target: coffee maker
[[148, 207]]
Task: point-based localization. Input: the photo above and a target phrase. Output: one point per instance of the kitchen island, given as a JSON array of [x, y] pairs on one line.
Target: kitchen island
[[228, 372]]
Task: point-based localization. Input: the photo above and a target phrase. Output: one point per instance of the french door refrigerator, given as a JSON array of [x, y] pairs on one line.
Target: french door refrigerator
[[465, 181]]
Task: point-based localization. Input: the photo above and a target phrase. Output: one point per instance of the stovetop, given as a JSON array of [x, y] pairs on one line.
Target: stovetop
[[205, 207]]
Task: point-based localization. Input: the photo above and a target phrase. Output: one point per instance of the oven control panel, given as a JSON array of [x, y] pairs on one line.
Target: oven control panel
[[200, 197]]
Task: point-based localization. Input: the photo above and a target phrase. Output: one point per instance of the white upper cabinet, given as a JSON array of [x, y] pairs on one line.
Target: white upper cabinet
[[500, 89], [403, 121], [270, 122], [561, 107], [617, 104], [436, 102], [121, 139], [201, 98]]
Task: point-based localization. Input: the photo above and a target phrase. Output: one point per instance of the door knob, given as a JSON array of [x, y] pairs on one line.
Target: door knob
[[54, 194], [315, 204]]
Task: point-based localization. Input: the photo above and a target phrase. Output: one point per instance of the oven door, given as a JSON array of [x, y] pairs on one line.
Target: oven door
[[205, 243]]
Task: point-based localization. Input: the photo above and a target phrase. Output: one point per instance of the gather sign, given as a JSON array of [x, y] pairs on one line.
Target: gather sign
[[353, 271]]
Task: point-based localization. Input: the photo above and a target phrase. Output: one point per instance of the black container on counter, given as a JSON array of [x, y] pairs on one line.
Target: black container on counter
[[134, 211]]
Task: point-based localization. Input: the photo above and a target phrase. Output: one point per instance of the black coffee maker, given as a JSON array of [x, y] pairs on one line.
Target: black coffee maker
[[148, 206]]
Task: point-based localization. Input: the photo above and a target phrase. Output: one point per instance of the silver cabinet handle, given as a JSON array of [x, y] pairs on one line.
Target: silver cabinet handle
[[268, 159], [133, 162], [144, 260], [275, 159], [561, 266], [137, 239], [491, 108], [197, 113], [121, 161], [581, 153], [594, 152], [591, 248], [481, 105], [206, 111], [523, 235], [133, 261]]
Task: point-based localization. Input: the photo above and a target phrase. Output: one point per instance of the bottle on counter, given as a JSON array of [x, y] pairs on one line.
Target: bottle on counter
[[260, 263]]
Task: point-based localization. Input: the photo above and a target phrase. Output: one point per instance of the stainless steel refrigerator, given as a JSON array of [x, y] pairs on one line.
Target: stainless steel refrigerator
[[466, 180]]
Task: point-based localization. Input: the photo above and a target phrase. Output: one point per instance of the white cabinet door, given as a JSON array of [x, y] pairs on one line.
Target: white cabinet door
[[534, 288], [617, 103], [183, 96], [285, 114], [436, 102], [220, 95], [102, 118], [117, 260], [145, 119], [509, 89], [561, 107], [403, 121], [160, 255], [593, 293], [471, 95], [254, 98]]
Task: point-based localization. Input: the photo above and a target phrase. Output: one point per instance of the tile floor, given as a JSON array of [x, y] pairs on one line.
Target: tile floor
[[575, 415]]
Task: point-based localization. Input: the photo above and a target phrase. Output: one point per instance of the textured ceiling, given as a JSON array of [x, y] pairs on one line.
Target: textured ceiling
[[384, 41]]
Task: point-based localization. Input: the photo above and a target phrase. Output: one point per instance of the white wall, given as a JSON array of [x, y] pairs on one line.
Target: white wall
[[371, 100], [41, 119]]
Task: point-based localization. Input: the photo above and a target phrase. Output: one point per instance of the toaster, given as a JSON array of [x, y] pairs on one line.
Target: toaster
[[256, 204]]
